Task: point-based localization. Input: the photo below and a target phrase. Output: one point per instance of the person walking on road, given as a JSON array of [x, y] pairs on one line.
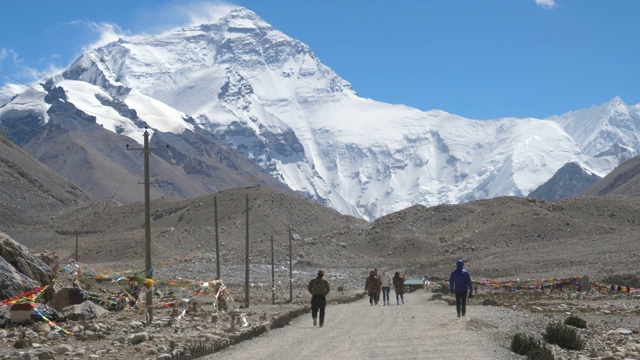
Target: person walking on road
[[378, 275], [372, 287], [398, 286], [319, 289], [460, 283], [385, 283]]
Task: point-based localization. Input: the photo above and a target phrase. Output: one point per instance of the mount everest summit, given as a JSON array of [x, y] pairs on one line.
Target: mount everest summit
[[241, 103]]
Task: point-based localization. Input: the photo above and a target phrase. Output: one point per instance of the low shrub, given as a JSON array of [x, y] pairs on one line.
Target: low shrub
[[576, 321], [540, 352], [490, 302], [563, 336], [522, 343]]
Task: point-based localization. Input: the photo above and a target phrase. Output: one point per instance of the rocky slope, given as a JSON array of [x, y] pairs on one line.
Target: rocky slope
[[503, 237], [30, 190], [500, 237]]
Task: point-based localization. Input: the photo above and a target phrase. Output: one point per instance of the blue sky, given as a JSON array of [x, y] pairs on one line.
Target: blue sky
[[479, 59]]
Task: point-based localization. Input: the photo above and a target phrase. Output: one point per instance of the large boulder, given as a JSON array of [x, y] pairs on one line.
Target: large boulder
[[86, 310], [20, 269], [66, 297]]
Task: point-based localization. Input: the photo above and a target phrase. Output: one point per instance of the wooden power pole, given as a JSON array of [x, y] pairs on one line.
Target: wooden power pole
[[147, 225], [290, 268], [273, 276], [215, 214], [246, 262]]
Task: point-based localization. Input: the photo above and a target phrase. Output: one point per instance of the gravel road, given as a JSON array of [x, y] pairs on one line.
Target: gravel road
[[419, 329]]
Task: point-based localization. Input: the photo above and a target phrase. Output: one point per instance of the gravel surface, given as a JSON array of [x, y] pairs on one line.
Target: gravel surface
[[418, 329]]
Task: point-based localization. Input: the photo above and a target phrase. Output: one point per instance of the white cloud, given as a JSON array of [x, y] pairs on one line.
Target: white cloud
[[20, 72], [150, 20], [40, 74], [205, 12], [159, 19], [9, 53], [547, 4], [107, 33], [181, 14]]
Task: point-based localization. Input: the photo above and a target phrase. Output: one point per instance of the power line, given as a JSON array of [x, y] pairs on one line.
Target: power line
[[85, 111], [20, 82], [153, 159], [44, 92], [125, 177]]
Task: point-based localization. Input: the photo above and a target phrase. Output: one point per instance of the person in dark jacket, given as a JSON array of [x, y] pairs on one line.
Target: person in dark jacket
[[372, 287], [398, 285], [460, 284], [319, 289]]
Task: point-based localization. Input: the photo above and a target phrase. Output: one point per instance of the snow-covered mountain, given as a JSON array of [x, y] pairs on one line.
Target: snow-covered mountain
[[269, 96], [610, 129]]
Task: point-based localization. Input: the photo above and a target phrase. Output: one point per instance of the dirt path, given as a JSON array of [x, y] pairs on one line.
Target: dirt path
[[419, 329]]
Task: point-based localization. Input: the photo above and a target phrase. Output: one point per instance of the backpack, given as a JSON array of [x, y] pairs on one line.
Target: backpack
[[317, 287]]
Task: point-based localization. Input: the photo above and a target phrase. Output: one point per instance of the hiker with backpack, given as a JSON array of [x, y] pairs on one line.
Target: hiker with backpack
[[319, 289]]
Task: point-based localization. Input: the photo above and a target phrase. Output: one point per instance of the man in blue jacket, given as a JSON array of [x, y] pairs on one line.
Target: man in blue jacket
[[460, 283]]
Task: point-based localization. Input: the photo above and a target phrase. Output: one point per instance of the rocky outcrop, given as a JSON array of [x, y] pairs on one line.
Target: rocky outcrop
[[84, 311], [570, 180], [20, 269]]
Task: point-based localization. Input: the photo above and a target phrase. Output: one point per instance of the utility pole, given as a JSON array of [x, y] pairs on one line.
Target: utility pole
[[215, 214], [147, 227], [246, 258], [76, 244], [273, 276], [147, 224], [290, 268]]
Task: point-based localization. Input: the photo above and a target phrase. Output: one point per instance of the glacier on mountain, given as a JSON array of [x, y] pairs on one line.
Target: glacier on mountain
[[270, 97]]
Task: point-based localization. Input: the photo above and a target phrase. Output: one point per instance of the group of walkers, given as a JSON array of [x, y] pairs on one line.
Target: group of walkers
[[378, 283]]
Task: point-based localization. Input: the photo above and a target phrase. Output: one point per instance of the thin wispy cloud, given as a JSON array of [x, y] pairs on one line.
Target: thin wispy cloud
[[157, 19], [9, 54], [10, 59], [206, 12], [39, 74], [181, 14], [107, 33], [547, 4]]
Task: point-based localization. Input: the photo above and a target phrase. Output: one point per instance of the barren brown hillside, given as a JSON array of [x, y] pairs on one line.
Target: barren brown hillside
[[30, 191], [506, 237], [510, 236], [501, 237]]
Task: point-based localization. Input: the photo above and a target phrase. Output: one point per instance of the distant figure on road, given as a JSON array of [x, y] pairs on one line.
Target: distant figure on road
[[460, 283], [319, 289], [385, 282], [398, 286], [372, 287], [379, 276]]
